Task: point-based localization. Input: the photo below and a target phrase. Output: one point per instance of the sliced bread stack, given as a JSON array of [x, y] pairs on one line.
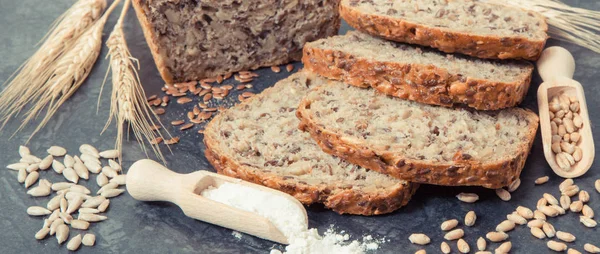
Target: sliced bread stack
[[398, 128]]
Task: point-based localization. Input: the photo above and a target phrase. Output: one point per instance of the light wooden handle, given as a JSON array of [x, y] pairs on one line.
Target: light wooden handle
[[556, 62]]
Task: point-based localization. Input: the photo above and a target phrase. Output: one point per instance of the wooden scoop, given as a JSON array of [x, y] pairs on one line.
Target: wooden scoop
[[148, 180], [556, 66]]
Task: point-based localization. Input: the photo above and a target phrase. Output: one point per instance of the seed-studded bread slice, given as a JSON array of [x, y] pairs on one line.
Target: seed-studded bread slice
[[418, 142], [419, 74], [469, 27], [259, 141], [192, 40]]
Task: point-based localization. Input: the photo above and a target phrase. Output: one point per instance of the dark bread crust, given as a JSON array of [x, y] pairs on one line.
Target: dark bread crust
[[491, 47], [417, 82], [340, 200], [462, 172]]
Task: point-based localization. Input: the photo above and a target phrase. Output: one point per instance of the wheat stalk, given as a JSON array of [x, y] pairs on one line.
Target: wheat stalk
[[571, 24], [69, 73], [34, 72], [128, 100]]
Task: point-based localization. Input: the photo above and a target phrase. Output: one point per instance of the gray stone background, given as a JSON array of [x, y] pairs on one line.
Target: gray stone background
[[136, 227]]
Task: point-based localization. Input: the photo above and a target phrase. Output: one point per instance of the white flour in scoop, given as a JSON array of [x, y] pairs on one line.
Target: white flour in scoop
[[290, 220]]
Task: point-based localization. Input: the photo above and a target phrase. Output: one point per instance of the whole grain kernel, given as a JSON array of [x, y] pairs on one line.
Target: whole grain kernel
[[516, 218], [467, 197], [186, 126], [560, 210], [505, 226], [275, 69], [496, 236], [542, 180], [591, 248], [184, 100], [481, 244], [556, 246], [541, 202], [454, 234], [571, 190], [538, 233], [514, 185], [584, 196], [597, 185], [551, 199], [537, 223], [539, 215], [504, 248], [463, 246], [156, 141], [588, 222], [587, 211], [525, 212], [573, 251], [445, 248], [289, 68], [449, 224], [565, 201], [549, 211], [470, 218], [420, 239], [548, 230], [421, 252], [565, 236], [576, 206], [503, 194]]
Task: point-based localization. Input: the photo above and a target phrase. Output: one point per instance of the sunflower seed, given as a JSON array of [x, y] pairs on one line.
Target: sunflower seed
[[538, 233], [115, 165], [67, 218], [93, 202], [503, 194], [556, 246], [74, 243], [481, 244], [90, 217], [101, 179], [89, 149], [584, 196], [588, 222], [89, 239], [71, 175], [30, 159], [449, 224], [63, 205], [566, 183], [504, 248], [38, 211], [463, 246], [467, 197], [31, 179], [81, 170], [110, 193], [24, 151], [571, 190], [587, 211], [18, 166], [88, 210], [107, 187], [22, 175], [565, 237], [46, 162], [80, 189], [505, 226], [565, 201], [454, 234], [110, 154], [55, 225], [470, 218], [89, 158], [542, 180], [516, 218], [120, 179], [535, 223], [496, 236], [54, 203], [109, 172], [69, 161], [61, 186], [576, 206], [74, 204], [93, 167], [58, 166], [591, 248], [548, 230], [548, 211], [420, 239], [80, 224], [102, 207], [56, 151], [73, 195], [32, 167], [551, 199], [42, 233], [39, 191], [525, 212]]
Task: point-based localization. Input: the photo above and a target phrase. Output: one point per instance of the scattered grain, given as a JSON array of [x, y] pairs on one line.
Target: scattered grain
[[467, 197], [542, 180], [449, 224], [556, 246], [454, 234], [584, 196], [591, 248], [481, 244], [470, 218], [548, 230], [463, 246], [420, 239], [514, 185], [505, 226], [503, 248], [538, 233], [565, 236]]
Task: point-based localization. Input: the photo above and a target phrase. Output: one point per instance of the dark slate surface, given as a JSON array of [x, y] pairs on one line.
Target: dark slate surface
[[135, 227]]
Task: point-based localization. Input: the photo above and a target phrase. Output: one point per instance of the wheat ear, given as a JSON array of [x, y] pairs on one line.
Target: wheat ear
[[34, 72], [69, 73], [128, 100], [566, 23]]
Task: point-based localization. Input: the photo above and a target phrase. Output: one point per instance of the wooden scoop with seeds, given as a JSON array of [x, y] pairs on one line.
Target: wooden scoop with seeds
[[148, 180], [564, 120]]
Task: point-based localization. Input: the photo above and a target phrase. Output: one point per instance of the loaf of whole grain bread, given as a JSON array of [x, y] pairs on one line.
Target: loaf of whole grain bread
[[259, 141], [192, 40], [419, 74], [418, 142], [470, 27]]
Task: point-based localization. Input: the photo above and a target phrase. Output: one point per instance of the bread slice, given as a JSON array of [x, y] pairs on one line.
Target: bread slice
[[259, 141], [192, 40], [419, 74], [474, 28], [418, 142]]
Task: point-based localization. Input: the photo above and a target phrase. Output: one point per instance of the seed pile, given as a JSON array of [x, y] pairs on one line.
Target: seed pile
[[565, 122], [537, 220], [73, 207], [204, 96]]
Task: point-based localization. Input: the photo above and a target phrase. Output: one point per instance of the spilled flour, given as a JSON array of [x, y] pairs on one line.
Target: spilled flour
[[290, 220]]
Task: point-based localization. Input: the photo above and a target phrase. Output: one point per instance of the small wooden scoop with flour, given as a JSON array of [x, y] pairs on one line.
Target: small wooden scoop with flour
[[253, 208], [564, 120]]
